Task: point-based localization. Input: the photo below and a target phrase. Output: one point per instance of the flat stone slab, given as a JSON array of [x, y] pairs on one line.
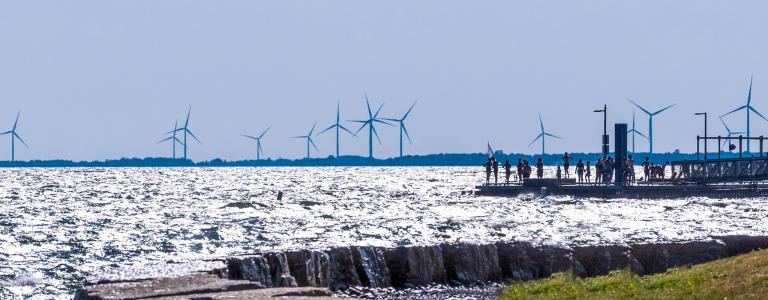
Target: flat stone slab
[[301, 293]]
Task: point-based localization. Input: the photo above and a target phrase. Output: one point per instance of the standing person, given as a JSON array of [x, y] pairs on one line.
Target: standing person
[[488, 165], [599, 171], [495, 169], [589, 172], [647, 168], [526, 169], [579, 171], [567, 164], [540, 169], [558, 174], [608, 170], [631, 168], [507, 170], [520, 170]]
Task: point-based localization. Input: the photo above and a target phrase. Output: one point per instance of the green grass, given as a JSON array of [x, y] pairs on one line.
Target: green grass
[[739, 277]]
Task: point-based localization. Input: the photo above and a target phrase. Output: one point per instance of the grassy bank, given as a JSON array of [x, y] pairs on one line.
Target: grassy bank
[[739, 277]]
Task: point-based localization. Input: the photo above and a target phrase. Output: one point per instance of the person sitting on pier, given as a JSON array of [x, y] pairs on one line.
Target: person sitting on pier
[[540, 168], [579, 171], [589, 172], [495, 170], [520, 170], [488, 165], [558, 174], [599, 170], [647, 168], [567, 164], [507, 170]]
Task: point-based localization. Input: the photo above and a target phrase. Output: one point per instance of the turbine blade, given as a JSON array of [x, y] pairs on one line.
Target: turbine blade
[[536, 139], [406, 134], [390, 119], [541, 123], [640, 107], [735, 110], [368, 104], [163, 140], [20, 140], [377, 111], [382, 122], [759, 114], [265, 132], [329, 128], [749, 95], [313, 144], [250, 137], [186, 123], [552, 135], [376, 133], [641, 134], [300, 137], [409, 110], [345, 129], [7, 132], [728, 130], [663, 109], [313, 129], [17, 120], [193, 135]]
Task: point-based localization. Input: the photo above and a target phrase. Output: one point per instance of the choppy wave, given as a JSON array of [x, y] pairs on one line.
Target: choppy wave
[[60, 226]]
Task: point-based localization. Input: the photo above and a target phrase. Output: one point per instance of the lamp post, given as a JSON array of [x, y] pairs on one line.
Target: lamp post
[[705, 132], [605, 129]]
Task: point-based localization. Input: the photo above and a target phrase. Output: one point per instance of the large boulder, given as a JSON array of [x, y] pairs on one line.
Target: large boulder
[[471, 263], [417, 265], [309, 268], [516, 262], [653, 257], [252, 268], [371, 267], [280, 271]]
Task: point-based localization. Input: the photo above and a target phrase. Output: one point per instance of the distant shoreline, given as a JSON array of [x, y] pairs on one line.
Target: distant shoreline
[[431, 160]]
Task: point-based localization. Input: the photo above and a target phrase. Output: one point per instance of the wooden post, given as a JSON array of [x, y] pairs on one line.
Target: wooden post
[[741, 139]]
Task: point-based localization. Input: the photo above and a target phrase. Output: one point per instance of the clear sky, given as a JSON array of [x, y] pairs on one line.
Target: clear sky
[[105, 79]]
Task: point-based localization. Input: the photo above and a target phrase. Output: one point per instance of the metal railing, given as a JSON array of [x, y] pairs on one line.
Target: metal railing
[[721, 170]]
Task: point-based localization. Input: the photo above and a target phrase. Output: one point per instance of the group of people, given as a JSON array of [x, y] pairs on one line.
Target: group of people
[[604, 170]]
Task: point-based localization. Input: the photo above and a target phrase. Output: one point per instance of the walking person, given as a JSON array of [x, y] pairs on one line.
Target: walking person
[[488, 165], [567, 164], [579, 171], [540, 169], [589, 172], [495, 170], [507, 170]]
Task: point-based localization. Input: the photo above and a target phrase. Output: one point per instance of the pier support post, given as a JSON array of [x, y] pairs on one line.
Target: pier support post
[[718, 147], [741, 140], [761, 146], [698, 141], [620, 145]]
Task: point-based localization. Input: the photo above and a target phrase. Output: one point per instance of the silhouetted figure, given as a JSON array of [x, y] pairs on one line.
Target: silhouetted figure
[[520, 169], [608, 166], [579, 171], [495, 169], [507, 170], [589, 172], [558, 174], [631, 169], [567, 164], [599, 171], [488, 165], [647, 168], [540, 168], [526, 169]]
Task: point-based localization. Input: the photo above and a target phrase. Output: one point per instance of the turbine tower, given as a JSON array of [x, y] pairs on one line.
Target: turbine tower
[[542, 136], [258, 142], [650, 123], [634, 131], [730, 133], [186, 131], [338, 127], [173, 138], [372, 118], [747, 108], [402, 128], [14, 136], [309, 139]]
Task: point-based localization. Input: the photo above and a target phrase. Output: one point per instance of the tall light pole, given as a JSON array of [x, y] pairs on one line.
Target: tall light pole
[[705, 132], [605, 129]]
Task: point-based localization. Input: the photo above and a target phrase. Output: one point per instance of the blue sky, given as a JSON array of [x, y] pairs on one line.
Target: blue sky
[[105, 79]]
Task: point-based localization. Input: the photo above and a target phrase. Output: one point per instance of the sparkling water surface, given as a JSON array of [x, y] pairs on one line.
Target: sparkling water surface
[[60, 226]]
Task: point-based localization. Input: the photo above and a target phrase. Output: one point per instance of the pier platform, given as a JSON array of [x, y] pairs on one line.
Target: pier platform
[[640, 191]]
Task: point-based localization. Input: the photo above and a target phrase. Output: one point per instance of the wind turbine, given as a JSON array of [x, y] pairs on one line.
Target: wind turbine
[[258, 142], [542, 136], [309, 139], [634, 131], [372, 118], [650, 122], [748, 108], [173, 138], [402, 128], [338, 127], [186, 131], [14, 136], [730, 133]]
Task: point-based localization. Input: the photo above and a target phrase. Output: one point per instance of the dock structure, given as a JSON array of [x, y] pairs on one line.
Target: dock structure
[[742, 177]]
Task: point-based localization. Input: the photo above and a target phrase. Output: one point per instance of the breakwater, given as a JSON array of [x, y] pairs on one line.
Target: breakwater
[[343, 268]]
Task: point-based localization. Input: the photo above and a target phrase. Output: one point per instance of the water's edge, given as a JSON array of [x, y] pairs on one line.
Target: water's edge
[[342, 268]]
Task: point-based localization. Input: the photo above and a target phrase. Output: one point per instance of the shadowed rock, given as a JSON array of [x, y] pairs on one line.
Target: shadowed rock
[[310, 268], [740, 244], [549, 260], [342, 269], [371, 267], [653, 257], [515, 261], [470, 263], [280, 272], [415, 266], [254, 269], [600, 260], [690, 253]]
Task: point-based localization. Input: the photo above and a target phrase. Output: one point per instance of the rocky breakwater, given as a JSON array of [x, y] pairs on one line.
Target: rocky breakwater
[[366, 271]]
